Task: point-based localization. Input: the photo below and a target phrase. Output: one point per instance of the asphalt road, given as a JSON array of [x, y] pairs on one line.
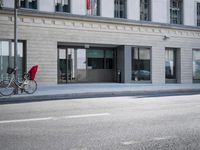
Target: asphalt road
[[114, 123]]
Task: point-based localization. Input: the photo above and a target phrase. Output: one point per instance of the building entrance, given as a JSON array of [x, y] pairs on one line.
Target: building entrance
[[76, 65]]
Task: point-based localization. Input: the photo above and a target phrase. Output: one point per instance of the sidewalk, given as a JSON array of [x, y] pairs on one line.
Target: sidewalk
[[69, 91]]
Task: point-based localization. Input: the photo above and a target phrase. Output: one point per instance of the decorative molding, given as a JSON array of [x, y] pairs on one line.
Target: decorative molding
[[101, 27]]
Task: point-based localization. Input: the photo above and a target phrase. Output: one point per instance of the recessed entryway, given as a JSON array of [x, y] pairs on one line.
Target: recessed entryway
[[76, 65]]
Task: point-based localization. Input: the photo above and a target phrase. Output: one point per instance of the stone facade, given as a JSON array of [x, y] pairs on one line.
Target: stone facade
[[43, 31]]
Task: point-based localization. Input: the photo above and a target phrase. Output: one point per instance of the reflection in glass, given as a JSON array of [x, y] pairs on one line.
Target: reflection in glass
[[62, 6], [120, 8], [145, 10], [196, 65], [84, 65], [170, 64], [141, 69], [109, 59], [95, 59], [93, 7], [7, 59], [62, 66], [31, 4], [176, 11], [4, 59], [19, 59]]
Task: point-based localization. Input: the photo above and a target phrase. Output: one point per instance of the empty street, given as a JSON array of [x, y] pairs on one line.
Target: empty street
[[154, 122]]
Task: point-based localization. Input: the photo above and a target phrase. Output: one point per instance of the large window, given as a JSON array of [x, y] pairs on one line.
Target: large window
[[62, 6], [85, 65], [196, 65], [141, 64], [198, 14], [7, 59], [120, 9], [176, 11], [145, 10], [99, 59], [93, 7], [170, 64], [31, 4]]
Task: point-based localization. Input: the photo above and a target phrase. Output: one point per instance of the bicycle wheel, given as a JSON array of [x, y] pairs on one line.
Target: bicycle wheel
[[6, 89], [31, 87]]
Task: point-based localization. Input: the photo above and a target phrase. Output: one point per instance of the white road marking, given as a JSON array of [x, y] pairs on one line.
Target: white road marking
[[26, 120], [87, 115], [163, 138], [54, 118], [129, 142], [150, 140]]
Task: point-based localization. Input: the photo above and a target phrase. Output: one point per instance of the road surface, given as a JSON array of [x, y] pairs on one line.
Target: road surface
[[110, 123]]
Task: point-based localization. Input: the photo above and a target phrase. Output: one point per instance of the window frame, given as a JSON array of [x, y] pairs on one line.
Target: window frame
[[132, 56], [117, 13], [27, 5], [104, 58], [24, 49], [90, 11], [61, 6], [181, 11], [197, 14], [174, 78], [149, 10], [194, 80]]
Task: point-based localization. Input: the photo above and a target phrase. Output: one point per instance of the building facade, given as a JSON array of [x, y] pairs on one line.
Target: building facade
[[129, 41]]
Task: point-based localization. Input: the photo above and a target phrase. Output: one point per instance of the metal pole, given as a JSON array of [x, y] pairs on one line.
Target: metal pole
[[15, 39], [15, 36]]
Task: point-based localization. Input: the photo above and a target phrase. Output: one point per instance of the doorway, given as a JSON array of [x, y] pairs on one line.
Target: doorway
[[66, 65]]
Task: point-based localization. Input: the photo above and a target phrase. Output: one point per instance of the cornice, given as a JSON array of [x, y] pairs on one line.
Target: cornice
[[97, 19]]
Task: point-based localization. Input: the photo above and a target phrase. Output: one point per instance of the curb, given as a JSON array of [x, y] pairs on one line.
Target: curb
[[148, 93]]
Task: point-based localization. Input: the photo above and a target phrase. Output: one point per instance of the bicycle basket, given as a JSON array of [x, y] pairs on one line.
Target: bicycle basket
[[10, 70]]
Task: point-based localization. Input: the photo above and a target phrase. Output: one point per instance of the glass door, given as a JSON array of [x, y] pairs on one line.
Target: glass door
[[62, 66], [66, 65], [70, 65], [170, 66]]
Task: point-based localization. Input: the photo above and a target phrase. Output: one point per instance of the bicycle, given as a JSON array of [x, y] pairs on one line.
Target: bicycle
[[28, 84]]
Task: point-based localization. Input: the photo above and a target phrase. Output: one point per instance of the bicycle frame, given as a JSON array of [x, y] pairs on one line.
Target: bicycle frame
[[12, 79], [17, 83]]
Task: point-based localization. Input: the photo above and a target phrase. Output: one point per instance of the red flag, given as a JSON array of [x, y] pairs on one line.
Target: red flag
[[88, 4]]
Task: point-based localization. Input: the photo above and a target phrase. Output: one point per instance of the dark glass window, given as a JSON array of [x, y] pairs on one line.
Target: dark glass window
[[170, 64], [141, 68], [108, 59], [141, 64], [93, 7], [120, 8], [7, 59], [95, 59], [62, 6], [198, 14], [176, 11], [31, 4], [99, 59], [196, 65], [145, 10]]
